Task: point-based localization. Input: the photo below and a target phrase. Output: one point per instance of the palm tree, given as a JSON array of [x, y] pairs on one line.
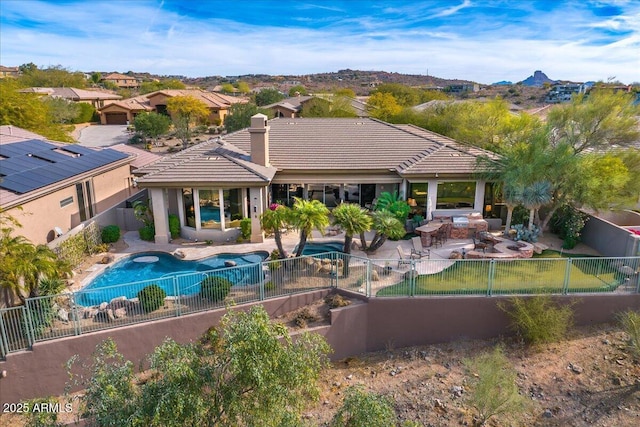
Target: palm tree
[[306, 216], [534, 196], [273, 220], [386, 226], [512, 197], [353, 220]]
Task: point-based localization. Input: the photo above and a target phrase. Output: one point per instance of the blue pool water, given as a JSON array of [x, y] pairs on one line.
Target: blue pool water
[[208, 213], [314, 248], [160, 268]]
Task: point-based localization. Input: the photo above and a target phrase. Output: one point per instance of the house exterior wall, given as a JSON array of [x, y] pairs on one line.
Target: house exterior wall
[[610, 239], [39, 217]]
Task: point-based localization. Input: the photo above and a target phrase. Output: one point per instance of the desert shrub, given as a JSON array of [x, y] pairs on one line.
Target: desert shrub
[[174, 226], [151, 298], [215, 288], [269, 286], [336, 300], [493, 386], [37, 412], [567, 222], [303, 317], [51, 285], [110, 234], [522, 232], [86, 113], [630, 321], [361, 408], [245, 228], [538, 320], [148, 232]]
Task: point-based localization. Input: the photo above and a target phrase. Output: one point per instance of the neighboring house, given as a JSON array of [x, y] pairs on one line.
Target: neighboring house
[[126, 110], [96, 98], [292, 107], [52, 187], [460, 88], [212, 185], [564, 92], [121, 80], [9, 71]]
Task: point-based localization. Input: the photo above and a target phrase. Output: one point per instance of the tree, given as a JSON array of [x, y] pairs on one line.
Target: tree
[[364, 409], [534, 196], [62, 111], [246, 371], [273, 220], [148, 87], [316, 107], [387, 225], [185, 112], [298, 90], [306, 216], [96, 77], [404, 95], [383, 106], [601, 120], [228, 88], [268, 96], [353, 220], [243, 87], [239, 116], [151, 125], [345, 92], [53, 76]]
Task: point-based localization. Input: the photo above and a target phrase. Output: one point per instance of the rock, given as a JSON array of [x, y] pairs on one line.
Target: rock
[[122, 298], [89, 313], [325, 261], [107, 259], [103, 306], [120, 313], [375, 276], [349, 377], [230, 263], [437, 403], [575, 368], [63, 315], [455, 255], [547, 413], [179, 254], [110, 315], [539, 247], [457, 390]]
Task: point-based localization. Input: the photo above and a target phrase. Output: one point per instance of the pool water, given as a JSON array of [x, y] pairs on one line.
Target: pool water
[[315, 248], [208, 213], [160, 268]]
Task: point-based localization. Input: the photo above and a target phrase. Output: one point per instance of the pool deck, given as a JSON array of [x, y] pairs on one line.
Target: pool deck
[[388, 251]]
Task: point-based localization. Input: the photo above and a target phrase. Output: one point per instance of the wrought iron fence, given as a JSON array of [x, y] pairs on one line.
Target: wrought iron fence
[[88, 310]]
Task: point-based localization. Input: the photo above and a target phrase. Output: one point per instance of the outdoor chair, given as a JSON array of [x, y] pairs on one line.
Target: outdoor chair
[[478, 245], [405, 259], [417, 248]]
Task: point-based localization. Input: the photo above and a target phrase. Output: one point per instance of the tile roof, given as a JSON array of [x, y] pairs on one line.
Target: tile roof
[[322, 145], [212, 99], [9, 134], [142, 157], [72, 93]]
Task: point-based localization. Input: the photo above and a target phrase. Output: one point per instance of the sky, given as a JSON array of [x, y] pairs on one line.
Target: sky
[[485, 41]]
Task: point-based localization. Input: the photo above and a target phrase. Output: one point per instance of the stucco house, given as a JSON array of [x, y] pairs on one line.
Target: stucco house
[[52, 187], [96, 98], [121, 80], [214, 184], [124, 111], [291, 107]]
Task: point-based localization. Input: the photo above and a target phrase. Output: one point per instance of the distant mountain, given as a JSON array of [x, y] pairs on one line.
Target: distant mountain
[[538, 79], [502, 83]]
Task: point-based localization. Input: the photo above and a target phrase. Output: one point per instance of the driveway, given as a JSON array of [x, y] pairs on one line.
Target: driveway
[[103, 135]]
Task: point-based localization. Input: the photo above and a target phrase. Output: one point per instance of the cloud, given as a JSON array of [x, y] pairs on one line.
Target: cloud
[[452, 10]]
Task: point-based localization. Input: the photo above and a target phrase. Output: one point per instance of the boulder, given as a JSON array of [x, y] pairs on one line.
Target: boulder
[[63, 315], [539, 247], [455, 255], [122, 298], [103, 306], [120, 313], [107, 259], [110, 315], [375, 276], [179, 254], [230, 263], [90, 312]]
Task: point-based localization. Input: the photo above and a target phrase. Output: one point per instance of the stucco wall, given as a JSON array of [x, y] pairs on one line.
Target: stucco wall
[[608, 238], [361, 327]]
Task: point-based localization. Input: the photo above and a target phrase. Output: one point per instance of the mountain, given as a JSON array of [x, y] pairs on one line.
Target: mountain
[[538, 79], [502, 83]]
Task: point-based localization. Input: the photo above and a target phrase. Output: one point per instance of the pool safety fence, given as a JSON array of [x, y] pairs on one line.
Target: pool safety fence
[[87, 310]]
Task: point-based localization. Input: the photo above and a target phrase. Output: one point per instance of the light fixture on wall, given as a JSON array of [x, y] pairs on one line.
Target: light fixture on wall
[[412, 202]]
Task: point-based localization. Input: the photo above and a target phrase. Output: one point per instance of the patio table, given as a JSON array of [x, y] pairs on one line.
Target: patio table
[[427, 231]]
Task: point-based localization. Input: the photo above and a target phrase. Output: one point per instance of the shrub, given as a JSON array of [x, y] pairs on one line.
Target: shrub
[[86, 113], [522, 232], [630, 321], [110, 234], [174, 226], [269, 286], [568, 222], [151, 298], [245, 228], [362, 408], [303, 317], [538, 319], [215, 288], [336, 300], [148, 232], [493, 384]]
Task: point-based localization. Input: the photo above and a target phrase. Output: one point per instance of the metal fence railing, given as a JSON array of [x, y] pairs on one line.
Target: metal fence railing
[[91, 309]]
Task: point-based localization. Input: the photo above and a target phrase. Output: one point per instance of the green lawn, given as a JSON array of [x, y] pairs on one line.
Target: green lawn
[[544, 273]]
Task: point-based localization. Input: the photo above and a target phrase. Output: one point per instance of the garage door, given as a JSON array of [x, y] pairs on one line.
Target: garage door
[[116, 118]]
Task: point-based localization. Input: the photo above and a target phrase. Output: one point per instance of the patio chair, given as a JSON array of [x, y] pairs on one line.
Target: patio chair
[[478, 244], [405, 259], [418, 249]]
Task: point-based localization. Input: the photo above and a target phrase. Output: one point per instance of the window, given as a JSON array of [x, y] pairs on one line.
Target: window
[[418, 193], [456, 195], [66, 202]]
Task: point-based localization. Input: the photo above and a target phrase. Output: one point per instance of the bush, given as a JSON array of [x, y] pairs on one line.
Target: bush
[[630, 321], [522, 232], [362, 408], [110, 234], [568, 222], [151, 298], [174, 226], [538, 320], [148, 233], [494, 388], [245, 228], [215, 288], [86, 113]]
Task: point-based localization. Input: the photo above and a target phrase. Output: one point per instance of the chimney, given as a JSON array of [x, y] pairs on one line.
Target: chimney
[[259, 132]]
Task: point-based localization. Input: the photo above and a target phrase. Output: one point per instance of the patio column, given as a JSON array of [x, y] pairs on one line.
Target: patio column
[[432, 193], [478, 204], [257, 203], [160, 215]]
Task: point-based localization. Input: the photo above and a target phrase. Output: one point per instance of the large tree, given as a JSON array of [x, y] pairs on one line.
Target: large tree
[[383, 106], [306, 216], [353, 219], [268, 96], [186, 111], [273, 220], [151, 125], [53, 76], [239, 116], [246, 371]]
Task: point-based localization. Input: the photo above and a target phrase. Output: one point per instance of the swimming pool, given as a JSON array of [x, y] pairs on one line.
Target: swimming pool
[[161, 268], [208, 213], [314, 248]]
